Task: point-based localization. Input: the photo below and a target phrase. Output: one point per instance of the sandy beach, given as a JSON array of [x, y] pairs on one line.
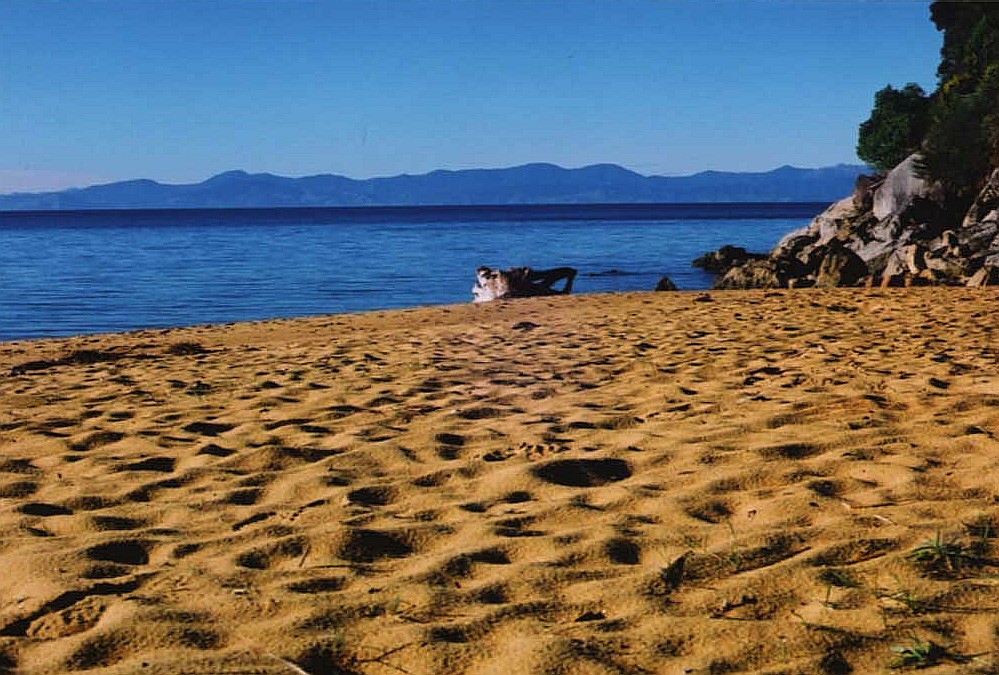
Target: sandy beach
[[723, 482]]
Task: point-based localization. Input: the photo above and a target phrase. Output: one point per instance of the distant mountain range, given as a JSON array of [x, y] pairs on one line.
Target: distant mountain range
[[528, 184]]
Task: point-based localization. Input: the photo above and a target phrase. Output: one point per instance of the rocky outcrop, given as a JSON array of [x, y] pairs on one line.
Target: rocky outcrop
[[897, 231], [725, 258], [900, 189], [755, 274]]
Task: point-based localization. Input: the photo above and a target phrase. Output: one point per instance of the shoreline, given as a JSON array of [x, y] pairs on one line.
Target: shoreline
[[619, 482], [158, 331]]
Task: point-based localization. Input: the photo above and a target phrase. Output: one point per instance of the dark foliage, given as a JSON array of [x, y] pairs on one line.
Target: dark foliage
[[963, 135], [956, 129], [895, 128]]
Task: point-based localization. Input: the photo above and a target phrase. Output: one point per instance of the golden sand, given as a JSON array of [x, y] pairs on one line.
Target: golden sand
[[765, 482]]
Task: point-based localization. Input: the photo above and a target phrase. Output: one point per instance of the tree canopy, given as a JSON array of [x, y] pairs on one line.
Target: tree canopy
[[896, 126], [956, 128]]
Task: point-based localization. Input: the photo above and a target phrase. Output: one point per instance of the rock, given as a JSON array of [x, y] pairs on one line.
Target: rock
[[947, 245], [895, 271], [975, 239], [988, 275], [877, 239], [863, 191], [725, 258], [947, 270], [984, 207], [840, 267], [520, 282], [753, 274], [915, 258], [903, 230], [800, 253], [665, 284], [794, 245], [902, 186], [823, 228], [923, 278]]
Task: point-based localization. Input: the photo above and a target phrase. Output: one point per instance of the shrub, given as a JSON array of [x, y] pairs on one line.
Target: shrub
[[895, 128]]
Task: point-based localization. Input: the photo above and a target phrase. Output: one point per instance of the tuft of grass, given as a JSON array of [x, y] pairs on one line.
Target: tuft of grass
[[939, 557], [917, 654], [911, 600]]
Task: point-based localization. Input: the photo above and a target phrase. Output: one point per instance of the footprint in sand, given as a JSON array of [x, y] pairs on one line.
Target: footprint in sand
[[208, 428], [376, 495], [583, 472]]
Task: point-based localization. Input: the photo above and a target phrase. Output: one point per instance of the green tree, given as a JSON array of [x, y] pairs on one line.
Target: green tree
[[896, 126], [962, 140]]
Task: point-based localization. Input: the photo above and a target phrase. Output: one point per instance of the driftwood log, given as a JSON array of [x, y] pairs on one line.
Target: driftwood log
[[520, 282]]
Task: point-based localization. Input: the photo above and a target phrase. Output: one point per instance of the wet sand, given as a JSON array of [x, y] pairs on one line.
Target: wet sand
[[759, 482]]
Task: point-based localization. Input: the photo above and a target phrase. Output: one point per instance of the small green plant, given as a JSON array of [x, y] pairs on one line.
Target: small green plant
[[939, 557], [916, 654], [911, 601]]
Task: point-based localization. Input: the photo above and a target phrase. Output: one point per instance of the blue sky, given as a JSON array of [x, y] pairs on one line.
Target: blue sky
[[178, 90]]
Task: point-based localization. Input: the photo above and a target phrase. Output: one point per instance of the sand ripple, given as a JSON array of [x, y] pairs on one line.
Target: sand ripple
[[766, 482]]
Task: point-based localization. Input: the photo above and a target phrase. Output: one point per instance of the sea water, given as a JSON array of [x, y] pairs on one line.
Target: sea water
[[69, 273]]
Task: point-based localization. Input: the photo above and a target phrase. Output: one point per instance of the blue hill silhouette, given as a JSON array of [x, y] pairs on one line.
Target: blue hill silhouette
[[527, 184]]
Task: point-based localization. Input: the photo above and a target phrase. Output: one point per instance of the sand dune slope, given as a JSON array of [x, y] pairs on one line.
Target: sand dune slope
[[765, 482]]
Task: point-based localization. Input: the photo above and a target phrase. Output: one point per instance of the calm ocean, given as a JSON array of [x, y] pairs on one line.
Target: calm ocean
[[68, 273]]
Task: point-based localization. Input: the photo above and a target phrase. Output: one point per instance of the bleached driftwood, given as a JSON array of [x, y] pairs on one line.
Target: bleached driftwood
[[520, 282]]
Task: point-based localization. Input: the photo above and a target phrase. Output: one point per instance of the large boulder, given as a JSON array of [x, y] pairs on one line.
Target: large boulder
[[950, 271], [725, 258], [753, 274], [799, 253], [840, 267], [900, 189], [875, 240], [823, 229]]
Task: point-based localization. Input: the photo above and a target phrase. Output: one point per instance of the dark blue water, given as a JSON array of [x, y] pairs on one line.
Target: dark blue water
[[67, 273]]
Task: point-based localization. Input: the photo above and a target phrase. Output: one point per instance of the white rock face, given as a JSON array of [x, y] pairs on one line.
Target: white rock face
[[823, 227], [901, 187]]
